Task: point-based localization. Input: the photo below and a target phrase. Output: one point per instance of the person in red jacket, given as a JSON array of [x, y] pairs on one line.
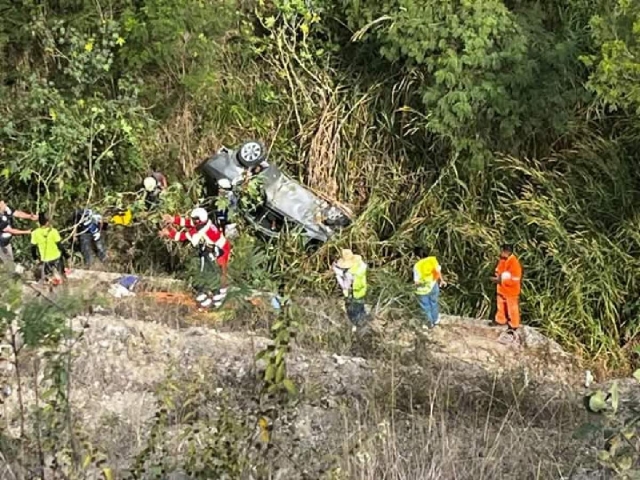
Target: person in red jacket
[[508, 279], [212, 248]]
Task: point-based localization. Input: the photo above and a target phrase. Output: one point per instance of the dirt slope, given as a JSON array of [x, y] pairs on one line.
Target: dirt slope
[[122, 363]]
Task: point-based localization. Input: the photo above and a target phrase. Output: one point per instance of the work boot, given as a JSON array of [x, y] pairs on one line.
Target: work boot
[[221, 295], [201, 297], [206, 303], [515, 333], [510, 336], [212, 301]]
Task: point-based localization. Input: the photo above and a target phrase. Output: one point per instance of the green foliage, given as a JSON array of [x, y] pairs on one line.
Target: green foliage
[[37, 322], [616, 65], [210, 444], [180, 38], [471, 55], [478, 64], [252, 194], [283, 331], [619, 432], [450, 125], [249, 266], [71, 130], [33, 323]]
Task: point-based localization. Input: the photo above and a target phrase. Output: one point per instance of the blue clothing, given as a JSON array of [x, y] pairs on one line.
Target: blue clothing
[[88, 222], [429, 304], [129, 281], [356, 311], [89, 234]]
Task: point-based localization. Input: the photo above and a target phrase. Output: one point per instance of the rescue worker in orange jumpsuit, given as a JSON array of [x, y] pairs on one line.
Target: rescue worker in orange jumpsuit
[[508, 279]]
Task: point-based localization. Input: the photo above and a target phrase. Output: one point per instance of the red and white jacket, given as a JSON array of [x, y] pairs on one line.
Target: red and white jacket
[[208, 235]]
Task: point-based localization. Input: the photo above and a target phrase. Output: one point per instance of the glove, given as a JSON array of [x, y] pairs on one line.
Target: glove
[[96, 236], [217, 251]]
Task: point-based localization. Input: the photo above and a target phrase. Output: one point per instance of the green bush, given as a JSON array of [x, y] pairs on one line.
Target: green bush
[[449, 125]]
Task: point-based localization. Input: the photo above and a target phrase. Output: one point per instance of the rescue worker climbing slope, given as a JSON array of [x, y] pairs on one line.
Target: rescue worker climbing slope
[[351, 274], [212, 246], [88, 227], [508, 278]]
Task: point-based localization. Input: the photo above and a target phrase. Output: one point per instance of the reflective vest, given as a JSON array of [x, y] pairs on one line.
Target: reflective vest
[[203, 237], [510, 273], [354, 280], [359, 273], [426, 273]]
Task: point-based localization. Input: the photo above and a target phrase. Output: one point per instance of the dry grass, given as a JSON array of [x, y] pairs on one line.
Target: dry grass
[[434, 425], [414, 418]]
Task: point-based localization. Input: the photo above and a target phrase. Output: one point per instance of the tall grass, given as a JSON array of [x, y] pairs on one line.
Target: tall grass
[[354, 136]]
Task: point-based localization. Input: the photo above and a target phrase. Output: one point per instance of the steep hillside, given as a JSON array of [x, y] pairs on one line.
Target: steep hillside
[[390, 403]]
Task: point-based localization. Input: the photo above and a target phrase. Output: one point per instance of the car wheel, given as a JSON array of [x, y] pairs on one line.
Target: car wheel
[[313, 245], [251, 153], [334, 217]]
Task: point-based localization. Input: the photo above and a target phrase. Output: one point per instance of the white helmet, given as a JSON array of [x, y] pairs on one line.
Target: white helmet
[[224, 183], [150, 184], [200, 214]]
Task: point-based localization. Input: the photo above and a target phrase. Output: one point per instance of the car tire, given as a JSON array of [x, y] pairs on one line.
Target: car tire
[[337, 218], [251, 153], [313, 245]]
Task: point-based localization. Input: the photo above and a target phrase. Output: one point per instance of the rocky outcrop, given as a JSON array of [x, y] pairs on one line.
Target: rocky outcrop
[[343, 414]]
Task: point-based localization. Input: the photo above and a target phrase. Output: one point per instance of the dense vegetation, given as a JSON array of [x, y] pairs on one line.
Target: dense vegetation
[[453, 125]]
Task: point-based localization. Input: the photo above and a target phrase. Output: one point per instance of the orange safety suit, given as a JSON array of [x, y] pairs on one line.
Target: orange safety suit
[[509, 273]]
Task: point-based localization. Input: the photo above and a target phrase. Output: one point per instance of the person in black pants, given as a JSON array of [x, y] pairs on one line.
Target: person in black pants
[[8, 231], [89, 226], [47, 249]]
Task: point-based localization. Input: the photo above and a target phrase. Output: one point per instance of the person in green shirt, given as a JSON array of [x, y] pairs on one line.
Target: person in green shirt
[[47, 248]]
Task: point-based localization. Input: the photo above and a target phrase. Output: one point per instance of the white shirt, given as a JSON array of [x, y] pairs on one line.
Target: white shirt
[[344, 277]]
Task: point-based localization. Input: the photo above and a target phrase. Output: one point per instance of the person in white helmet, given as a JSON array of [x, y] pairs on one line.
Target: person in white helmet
[[154, 185], [212, 248]]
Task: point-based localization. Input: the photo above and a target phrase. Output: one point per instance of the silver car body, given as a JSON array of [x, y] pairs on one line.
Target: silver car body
[[284, 196]]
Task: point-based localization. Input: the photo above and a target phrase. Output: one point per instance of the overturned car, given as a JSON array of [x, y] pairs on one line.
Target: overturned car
[[286, 202]]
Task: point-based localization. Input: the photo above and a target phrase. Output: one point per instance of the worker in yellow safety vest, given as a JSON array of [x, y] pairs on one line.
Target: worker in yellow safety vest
[[427, 277], [351, 274]]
